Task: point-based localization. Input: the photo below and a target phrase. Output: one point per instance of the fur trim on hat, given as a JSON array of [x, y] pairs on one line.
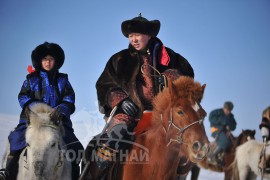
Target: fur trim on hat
[[140, 25], [45, 49]]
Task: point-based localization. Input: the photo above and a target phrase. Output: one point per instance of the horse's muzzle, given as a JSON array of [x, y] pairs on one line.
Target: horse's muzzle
[[39, 167], [200, 151]]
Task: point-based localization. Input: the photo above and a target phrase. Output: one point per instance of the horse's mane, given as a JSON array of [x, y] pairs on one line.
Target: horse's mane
[[239, 139], [184, 88]]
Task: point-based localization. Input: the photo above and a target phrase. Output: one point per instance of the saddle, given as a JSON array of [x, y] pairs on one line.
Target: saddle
[[141, 127], [144, 123]]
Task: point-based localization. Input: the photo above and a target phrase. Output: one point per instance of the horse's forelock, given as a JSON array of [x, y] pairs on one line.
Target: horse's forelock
[[40, 113], [187, 88], [41, 108], [184, 88]]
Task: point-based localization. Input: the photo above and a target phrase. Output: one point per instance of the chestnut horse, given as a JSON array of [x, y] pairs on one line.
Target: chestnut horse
[[245, 136], [175, 130]]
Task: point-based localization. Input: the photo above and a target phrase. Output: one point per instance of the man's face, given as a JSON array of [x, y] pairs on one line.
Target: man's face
[[226, 111], [139, 41]]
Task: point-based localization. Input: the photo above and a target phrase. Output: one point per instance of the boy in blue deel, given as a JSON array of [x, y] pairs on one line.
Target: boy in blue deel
[[49, 86]]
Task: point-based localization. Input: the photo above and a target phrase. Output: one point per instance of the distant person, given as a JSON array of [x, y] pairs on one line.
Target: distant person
[[51, 87], [265, 127], [222, 123], [130, 83]]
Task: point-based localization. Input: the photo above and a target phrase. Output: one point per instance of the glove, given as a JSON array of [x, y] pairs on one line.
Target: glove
[[129, 108], [265, 132]]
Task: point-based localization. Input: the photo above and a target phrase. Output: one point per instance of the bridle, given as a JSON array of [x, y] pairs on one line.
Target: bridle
[[171, 122], [179, 138]]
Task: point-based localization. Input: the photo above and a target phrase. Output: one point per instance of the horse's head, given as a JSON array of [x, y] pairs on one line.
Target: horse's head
[[44, 139], [245, 136], [182, 117]]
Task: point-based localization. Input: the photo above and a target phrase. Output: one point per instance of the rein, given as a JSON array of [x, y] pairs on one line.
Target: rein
[[179, 139], [152, 67], [161, 87]]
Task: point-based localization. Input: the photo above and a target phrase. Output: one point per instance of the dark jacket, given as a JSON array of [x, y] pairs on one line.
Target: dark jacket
[[123, 67], [219, 121]]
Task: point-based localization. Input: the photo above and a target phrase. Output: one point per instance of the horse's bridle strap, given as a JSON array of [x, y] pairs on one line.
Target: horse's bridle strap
[[181, 130]]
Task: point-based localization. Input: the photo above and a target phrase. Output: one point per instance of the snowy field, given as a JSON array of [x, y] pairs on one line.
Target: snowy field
[[86, 124]]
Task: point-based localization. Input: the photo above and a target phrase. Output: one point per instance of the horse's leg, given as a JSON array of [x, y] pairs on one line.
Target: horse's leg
[[252, 175], [228, 175], [22, 172], [243, 173], [4, 158], [182, 177], [195, 171]]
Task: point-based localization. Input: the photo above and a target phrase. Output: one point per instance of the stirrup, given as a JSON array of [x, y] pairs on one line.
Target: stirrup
[[4, 174]]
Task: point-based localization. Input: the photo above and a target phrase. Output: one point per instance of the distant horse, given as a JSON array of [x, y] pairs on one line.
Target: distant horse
[[175, 131], [228, 156], [43, 158], [245, 165]]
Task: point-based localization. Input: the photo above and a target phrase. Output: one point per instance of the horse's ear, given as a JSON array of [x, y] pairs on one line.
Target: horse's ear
[[171, 89], [203, 88], [254, 132], [27, 112], [56, 116]]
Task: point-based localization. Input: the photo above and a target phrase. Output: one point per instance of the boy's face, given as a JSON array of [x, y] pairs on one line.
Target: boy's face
[[139, 41], [48, 63]]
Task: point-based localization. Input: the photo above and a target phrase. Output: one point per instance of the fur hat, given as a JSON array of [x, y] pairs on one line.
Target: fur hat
[[45, 49], [140, 25], [228, 105]]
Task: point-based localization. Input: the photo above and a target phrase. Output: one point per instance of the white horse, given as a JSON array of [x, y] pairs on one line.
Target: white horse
[[43, 158], [245, 165]]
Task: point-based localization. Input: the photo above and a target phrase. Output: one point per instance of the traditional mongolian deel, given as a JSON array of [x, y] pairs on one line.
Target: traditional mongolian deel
[[123, 73], [37, 88]]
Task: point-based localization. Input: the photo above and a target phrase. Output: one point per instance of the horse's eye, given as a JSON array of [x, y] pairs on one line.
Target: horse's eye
[[53, 145], [181, 112], [27, 145]]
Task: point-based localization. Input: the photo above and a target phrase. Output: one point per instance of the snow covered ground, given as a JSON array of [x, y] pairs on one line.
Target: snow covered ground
[[86, 124]]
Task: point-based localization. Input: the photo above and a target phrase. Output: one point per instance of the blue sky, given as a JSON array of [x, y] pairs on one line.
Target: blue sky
[[227, 42]]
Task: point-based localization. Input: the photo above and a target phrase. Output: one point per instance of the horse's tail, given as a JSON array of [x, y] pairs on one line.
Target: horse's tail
[[234, 169]]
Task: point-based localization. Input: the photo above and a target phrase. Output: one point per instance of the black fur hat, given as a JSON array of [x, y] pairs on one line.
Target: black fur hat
[[48, 49], [140, 25]]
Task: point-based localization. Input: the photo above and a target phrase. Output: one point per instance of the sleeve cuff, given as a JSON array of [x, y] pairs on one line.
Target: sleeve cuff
[[115, 97]]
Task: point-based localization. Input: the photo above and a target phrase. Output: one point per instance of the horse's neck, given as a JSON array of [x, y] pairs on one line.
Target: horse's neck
[[159, 153], [237, 141]]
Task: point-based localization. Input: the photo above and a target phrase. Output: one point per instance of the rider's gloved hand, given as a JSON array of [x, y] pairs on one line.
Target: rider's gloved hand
[[265, 132], [129, 107]]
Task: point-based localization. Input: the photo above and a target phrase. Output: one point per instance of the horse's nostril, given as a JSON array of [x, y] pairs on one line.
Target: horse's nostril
[[196, 146], [199, 156]]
